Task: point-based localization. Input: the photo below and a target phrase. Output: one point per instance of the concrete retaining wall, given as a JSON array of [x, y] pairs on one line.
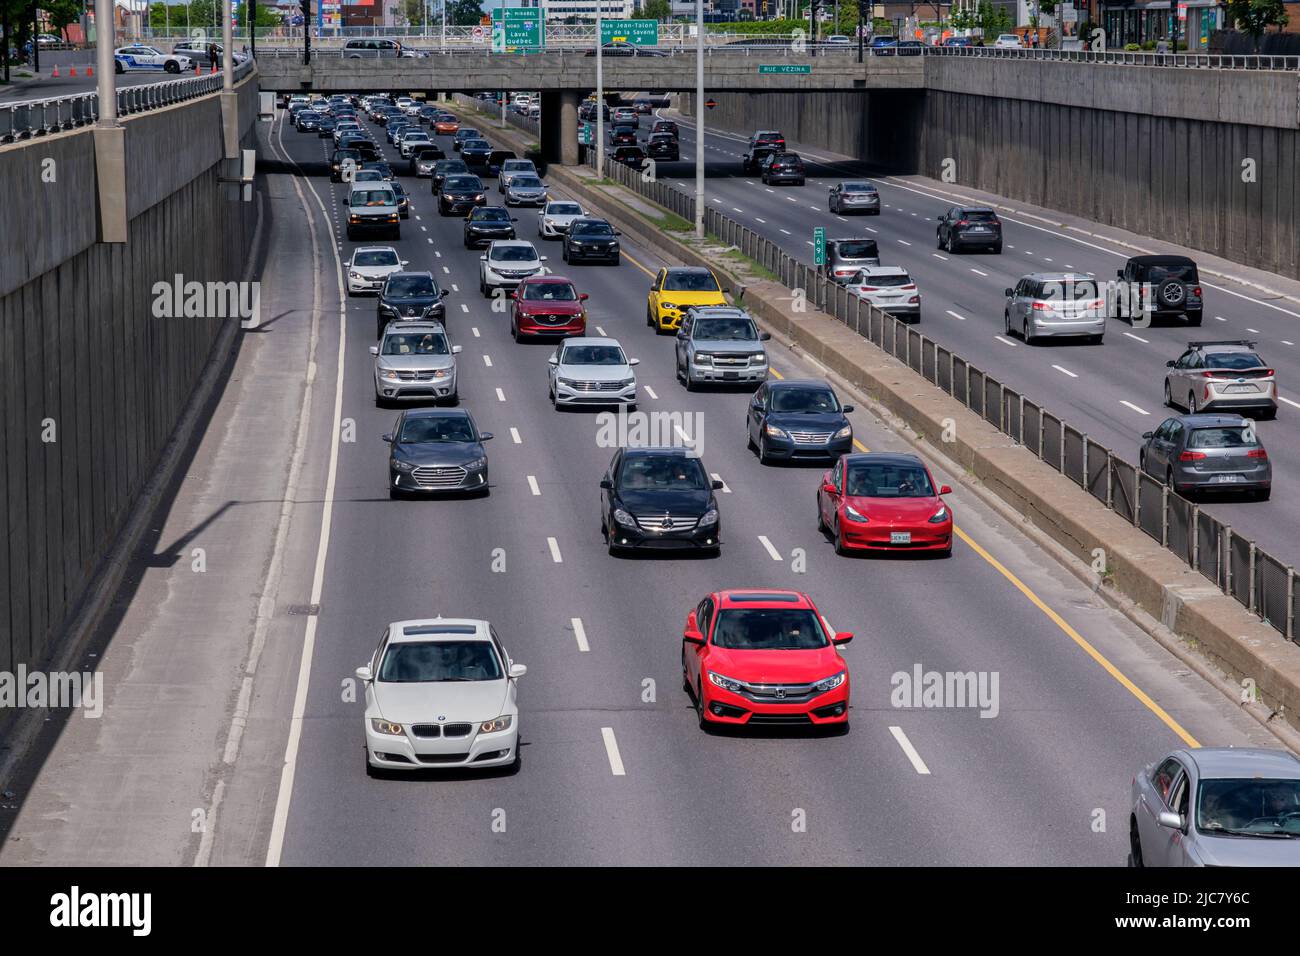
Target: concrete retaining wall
[[83, 360]]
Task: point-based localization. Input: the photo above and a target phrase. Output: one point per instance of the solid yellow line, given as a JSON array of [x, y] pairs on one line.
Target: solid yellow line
[[638, 265], [1072, 634]]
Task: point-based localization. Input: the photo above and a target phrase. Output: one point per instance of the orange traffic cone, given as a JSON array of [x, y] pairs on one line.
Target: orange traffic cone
[[90, 71], [196, 68], [72, 71], [56, 70]]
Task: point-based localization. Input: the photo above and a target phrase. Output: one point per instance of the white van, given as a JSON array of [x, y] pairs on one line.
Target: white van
[[372, 207]]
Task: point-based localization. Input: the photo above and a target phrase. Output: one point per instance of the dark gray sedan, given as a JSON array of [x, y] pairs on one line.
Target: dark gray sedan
[[1217, 806], [436, 450], [1208, 452]]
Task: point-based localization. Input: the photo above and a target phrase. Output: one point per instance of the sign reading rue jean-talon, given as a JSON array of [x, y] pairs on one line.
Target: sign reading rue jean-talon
[[638, 32], [785, 68]]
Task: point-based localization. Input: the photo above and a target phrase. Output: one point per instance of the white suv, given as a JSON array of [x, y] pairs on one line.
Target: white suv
[[507, 263]]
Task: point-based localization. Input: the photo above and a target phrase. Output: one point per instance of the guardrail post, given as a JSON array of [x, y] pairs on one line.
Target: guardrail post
[[1137, 499], [1110, 480], [1225, 558], [1290, 601], [1164, 516], [1195, 531], [1060, 465], [1084, 452], [1251, 605]]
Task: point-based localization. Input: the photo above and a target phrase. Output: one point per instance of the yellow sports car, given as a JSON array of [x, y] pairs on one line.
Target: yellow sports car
[[674, 289]]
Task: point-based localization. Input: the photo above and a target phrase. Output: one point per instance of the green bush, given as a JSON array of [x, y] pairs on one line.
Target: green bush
[[1131, 47], [1149, 45]]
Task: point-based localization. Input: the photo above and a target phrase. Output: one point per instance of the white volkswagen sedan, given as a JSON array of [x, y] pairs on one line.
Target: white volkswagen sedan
[[441, 693], [591, 370]]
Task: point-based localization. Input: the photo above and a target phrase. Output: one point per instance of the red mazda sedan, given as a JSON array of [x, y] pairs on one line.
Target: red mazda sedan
[[764, 657], [547, 305], [884, 502]]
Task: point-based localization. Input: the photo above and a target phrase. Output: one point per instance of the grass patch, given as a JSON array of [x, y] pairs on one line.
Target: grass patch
[[671, 222], [738, 257]]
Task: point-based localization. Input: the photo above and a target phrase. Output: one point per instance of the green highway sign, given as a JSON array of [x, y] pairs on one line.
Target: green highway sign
[[639, 32], [521, 29], [785, 68], [584, 134], [819, 245]]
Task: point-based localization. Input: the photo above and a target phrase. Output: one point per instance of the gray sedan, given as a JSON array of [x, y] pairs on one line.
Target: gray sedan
[[525, 190], [1208, 452], [1217, 806]]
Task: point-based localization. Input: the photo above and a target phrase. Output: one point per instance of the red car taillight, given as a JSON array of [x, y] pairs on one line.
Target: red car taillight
[[1191, 456], [1197, 292], [1043, 307], [1257, 453]]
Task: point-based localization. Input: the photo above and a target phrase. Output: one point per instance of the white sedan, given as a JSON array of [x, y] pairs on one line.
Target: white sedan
[[441, 693], [554, 219], [370, 266], [149, 59], [1009, 41], [507, 263], [591, 370]]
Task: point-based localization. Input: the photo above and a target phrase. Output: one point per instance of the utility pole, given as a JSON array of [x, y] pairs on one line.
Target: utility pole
[[699, 119], [227, 48], [600, 99], [36, 38], [106, 82], [306, 32]]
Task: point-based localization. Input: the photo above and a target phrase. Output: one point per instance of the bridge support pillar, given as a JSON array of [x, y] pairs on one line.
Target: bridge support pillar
[[559, 139]]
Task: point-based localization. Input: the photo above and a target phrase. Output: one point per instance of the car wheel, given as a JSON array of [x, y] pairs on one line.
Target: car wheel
[[1194, 320], [1024, 333], [763, 457], [1191, 403], [1134, 845], [749, 439], [372, 771], [379, 329], [997, 248], [821, 519], [938, 239], [686, 380], [395, 493], [840, 549], [951, 250], [453, 399], [686, 677], [615, 261], [171, 66], [699, 708], [117, 67], [1169, 479], [1169, 399]]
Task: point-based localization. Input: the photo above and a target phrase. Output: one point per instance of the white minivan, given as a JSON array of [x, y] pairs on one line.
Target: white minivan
[[372, 207]]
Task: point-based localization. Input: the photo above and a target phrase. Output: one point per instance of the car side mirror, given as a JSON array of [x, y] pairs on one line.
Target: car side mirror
[[1169, 364], [765, 336], [517, 671], [483, 258], [374, 350], [387, 436], [842, 637], [1119, 273], [513, 219], [606, 484], [583, 297], [828, 486], [364, 675], [617, 233], [939, 218], [1167, 818], [634, 361], [717, 484], [443, 293], [1008, 292], [485, 436], [543, 258], [847, 409], [553, 360], [726, 290], [406, 262], [457, 349], [1147, 434], [945, 490]]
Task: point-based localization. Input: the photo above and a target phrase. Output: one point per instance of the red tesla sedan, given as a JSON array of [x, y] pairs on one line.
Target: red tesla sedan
[[884, 502], [764, 657], [547, 305]]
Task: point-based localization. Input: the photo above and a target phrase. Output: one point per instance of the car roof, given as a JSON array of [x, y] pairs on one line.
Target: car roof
[[752, 597], [1060, 277], [788, 383], [978, 209], [884, 458], [1225, 346], [1214, 762], [884, 270], [382, 184], [375, 249], [591, 340], [1204, 420], [513, 242], [1162, 261], [405, 328]]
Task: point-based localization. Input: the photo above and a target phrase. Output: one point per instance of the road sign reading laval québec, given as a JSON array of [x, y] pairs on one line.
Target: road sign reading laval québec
[[819, 245], [638, 32], [521, 29], [785, 68]]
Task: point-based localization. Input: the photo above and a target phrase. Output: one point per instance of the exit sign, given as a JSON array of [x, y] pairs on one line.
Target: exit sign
[[785, 68], [819, 245]]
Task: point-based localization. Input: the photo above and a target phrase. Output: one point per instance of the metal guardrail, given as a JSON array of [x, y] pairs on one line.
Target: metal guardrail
[[1216, 61], [1236, 566], [28, 118]]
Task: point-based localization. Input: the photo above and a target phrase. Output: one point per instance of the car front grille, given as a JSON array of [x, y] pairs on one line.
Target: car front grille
[[430, 476], [597, 386], [777, 693], [666, 522], [731, 361], [810, 438], [456, 730], [442, 758], [553, 319], [416, 376], [426, 730]]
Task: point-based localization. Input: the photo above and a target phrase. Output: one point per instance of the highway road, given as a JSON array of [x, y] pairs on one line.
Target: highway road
[[1114, 391], [614, 768]]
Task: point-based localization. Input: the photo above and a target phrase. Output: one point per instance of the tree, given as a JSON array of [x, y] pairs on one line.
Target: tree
[[656, 9], [464, 13], [1253, 17], [62, 14], [415, 11]]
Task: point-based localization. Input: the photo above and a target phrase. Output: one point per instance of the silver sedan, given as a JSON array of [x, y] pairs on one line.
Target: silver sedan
[[1217, 806]]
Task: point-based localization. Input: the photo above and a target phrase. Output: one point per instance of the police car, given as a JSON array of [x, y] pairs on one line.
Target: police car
[[149, 59]]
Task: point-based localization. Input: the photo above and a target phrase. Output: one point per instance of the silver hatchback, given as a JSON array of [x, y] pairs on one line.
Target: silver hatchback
[[1221, 376], [1056, 304], [1208, 453]]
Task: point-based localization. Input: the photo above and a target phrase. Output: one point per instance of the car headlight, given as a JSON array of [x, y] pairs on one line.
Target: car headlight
[[575, 243], [401, 465], [668, 305], [726, 683], [845, 432], [478, 197], [853, 514], [703, 358], [940, 516], [566, 382], [388, 374], [627, 383], [355, 275], [710, 517], [623, 518], [381, 726], [476, 464], [385, 307], [496, 724], [441, 373], [830, 683], [774, 432]]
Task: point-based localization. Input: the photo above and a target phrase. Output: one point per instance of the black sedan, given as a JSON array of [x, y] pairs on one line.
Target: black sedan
[[653, 498], [436, 450], [486, 223], [460, 194], [794, 420], [475, 152]]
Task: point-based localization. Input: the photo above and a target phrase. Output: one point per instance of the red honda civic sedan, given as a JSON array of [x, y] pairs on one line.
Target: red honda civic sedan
[[547, 305], [764, 657], [884, 502]]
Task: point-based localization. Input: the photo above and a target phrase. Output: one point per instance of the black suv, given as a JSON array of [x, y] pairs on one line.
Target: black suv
[[659, 498], [408, 297], [783, 168], [663, 146], [755, 156], [964, 226], [589, 239], [486, 223], [1174, 284]]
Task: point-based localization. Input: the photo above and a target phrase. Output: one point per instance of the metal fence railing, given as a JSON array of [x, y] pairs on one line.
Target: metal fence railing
[[1258, 581], [27, 118]]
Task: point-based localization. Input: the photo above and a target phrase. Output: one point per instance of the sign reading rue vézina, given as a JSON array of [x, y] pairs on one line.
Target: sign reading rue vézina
[[785, 68]]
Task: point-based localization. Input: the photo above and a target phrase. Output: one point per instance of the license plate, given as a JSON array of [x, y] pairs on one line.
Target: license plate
[[900, 537], [1240, 388], [1226, 479], [731, 375]]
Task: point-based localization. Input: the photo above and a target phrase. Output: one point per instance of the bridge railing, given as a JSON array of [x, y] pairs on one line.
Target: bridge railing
[[1261, 583], [1215, 61], [27, 118]]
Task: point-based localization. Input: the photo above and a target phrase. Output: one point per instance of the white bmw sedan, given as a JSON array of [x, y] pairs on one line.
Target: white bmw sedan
[[441, 693]]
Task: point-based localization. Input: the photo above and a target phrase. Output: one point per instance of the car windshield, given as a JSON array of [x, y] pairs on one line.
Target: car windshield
[[1230, 436], [423, 155], [513, 254], [515, 165], [403, 286], [370, 176], [410, 343], [810, 400], [726, 330], [468, 183], [549, 292], [469, 132], [856, 249], [439, 661], [476, 144], [885, 281], [593, 355], [564, 209], [1233, 360], [434, 431], [662, 473], [526, 182], [1249, 807], [1076, 289], [308, 114], [450, 166], [375, 257], [690, 282], [768, 629], [372, 197], [879, 480], [489, 214], [591, 229], [415, 135]]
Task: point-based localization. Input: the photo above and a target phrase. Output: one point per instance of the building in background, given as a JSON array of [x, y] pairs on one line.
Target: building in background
[[586, 9]]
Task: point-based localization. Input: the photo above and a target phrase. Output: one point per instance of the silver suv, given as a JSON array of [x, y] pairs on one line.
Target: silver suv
[[415, 362], [720, 344], [1056, 304]]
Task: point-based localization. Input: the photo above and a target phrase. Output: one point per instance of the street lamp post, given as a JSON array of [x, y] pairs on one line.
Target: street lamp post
[[600, 98], [699, 119], [106, 82]]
